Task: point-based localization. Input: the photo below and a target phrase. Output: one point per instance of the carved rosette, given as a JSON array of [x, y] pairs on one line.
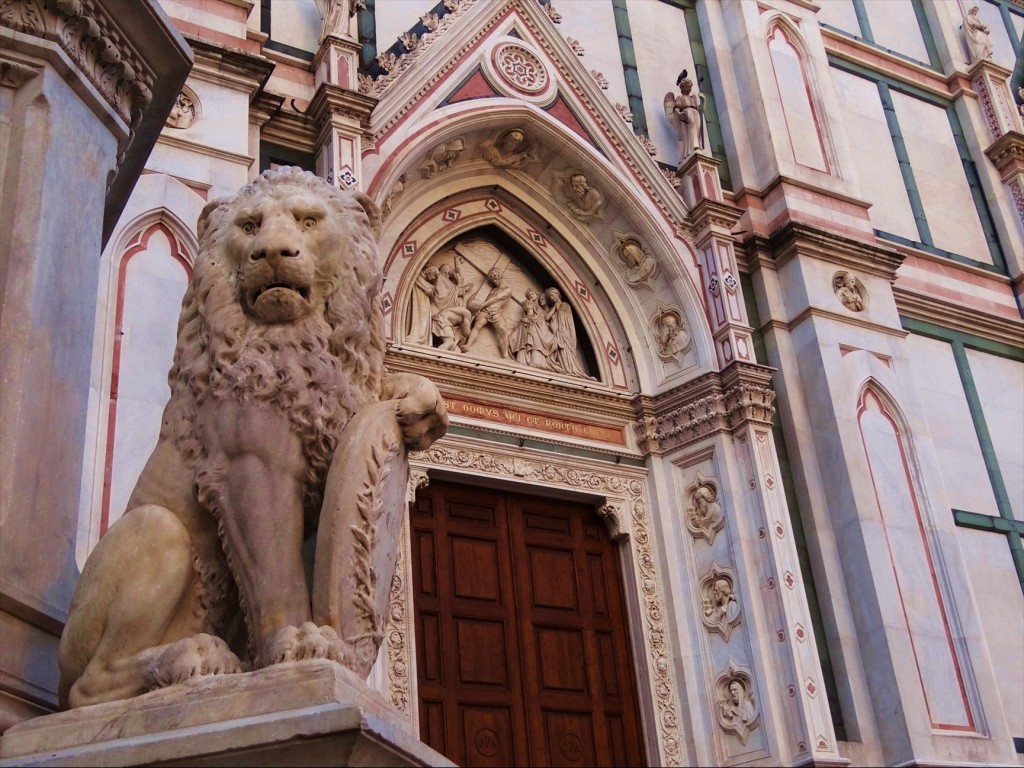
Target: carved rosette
[[704, 515], [91, 40], [720, 608], [658, 648], [738, 712]]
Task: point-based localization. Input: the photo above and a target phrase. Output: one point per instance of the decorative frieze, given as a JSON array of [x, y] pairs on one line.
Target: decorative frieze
[[711, 403]]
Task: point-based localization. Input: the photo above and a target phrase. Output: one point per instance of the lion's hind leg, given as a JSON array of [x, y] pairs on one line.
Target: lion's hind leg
[[133, 604]]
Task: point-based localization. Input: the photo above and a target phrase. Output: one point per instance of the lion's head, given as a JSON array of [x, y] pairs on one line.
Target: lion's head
[[283, 308]]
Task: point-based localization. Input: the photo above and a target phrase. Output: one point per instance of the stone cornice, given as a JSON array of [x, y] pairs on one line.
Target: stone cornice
[[795, 239], [224, 65], [1007, 153], [294, 130], [205, 149], [520, 388], [936, 311], [714, 402]]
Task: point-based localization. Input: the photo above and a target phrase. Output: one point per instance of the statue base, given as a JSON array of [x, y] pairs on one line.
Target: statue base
[[298, 713]]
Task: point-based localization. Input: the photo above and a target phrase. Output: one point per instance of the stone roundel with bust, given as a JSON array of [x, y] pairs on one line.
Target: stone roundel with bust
[[282, 421]]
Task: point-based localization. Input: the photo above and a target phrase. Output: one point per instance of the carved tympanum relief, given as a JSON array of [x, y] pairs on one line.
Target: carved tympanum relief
[[637, 265], [737, 709], [671, 334], [473, 298], [575, 192], [185, 111], [849, 291], [441, 158], [511, 148], [704, 515], [720, 609]]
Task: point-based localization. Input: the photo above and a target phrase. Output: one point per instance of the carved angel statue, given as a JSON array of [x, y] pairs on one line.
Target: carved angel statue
[[976, 32], [686, 113], [337, 16]]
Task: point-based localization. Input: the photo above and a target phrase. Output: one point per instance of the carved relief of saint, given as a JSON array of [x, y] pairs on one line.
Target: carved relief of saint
[[585, 202], [638, 265], [183, 113], [534, 343], [704, 516], [441, 158], [976, 33], [721, 610], [737, 710], [509, 149], [563, 328], [491, 311], [846, 289], [672, 335]]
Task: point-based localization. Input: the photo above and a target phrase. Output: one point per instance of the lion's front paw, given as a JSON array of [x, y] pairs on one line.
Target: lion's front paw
[[419, 408], [194, 656], [305, 642]]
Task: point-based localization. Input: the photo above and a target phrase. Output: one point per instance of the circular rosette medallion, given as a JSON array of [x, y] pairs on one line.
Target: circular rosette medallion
[[519, 72]]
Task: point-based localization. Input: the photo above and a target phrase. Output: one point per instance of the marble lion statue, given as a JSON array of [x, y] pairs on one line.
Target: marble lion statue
[[281, 422]]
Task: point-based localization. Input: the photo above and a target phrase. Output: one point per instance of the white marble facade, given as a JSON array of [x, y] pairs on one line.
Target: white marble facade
[[919, 615]]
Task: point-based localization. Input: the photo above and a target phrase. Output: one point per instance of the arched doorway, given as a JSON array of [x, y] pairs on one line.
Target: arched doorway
[[523, 653]]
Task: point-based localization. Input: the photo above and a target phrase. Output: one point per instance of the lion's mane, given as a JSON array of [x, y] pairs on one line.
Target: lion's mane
[[317, 371]]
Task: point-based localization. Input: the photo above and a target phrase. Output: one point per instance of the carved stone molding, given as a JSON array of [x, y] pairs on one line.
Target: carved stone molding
[[614, 517], [14, 74], [91, 39], [704, 516], [398, 627], [630, 499], [714, 402], [738, 712], [720, 608]]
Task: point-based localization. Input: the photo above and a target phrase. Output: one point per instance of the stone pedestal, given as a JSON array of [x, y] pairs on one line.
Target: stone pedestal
[[298, 713]]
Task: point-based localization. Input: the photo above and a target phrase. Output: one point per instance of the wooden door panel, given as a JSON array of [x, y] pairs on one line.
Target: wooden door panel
[[553, 579], [522, 650], [482, 655], [570, 738], [486, 736], [475, 569]]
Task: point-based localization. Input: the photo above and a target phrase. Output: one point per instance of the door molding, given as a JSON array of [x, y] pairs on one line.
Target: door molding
[[621, 499]]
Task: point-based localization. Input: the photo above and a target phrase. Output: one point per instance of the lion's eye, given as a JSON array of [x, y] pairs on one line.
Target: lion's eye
[[249, 228], [309, 223]]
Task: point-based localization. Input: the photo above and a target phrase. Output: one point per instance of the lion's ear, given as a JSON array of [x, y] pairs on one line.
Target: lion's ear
[[204, 217], [372, 211]]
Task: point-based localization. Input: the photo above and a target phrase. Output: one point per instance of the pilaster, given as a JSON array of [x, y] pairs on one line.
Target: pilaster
[[84, 96], [711, 222]]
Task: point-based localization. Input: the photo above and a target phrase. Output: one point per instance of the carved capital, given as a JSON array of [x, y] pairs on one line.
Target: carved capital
[[748, 394], [417, 479]]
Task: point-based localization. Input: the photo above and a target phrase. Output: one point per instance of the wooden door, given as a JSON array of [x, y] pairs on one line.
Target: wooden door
[[522, 650]]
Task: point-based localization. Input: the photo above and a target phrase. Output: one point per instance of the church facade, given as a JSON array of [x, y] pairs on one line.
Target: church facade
[[724, 301]]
